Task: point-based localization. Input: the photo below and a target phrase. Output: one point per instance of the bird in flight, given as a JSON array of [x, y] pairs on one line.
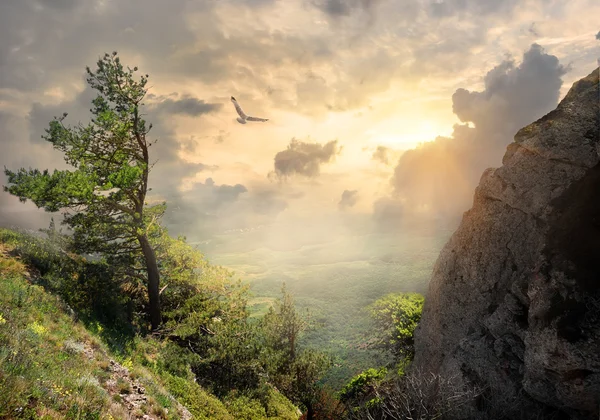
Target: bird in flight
[[242, 116]]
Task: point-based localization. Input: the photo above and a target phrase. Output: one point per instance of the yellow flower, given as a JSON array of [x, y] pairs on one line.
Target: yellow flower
[[37, 328]]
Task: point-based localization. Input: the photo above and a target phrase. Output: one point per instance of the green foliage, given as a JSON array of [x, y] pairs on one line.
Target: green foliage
[[50, 366], [277, 406], [108, 185], [90, 289], [360, 389], [201, 404], [245, 408], [208, 345], [104, 195], [205, 313], [295, 373], [396, 317], [283, 326]]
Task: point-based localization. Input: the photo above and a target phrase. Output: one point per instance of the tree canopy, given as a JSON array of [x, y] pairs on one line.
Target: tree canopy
[[396, 316], [103, 198]]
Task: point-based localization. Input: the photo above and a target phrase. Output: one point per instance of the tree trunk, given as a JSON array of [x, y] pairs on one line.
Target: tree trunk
[[153, 282], [310, 414]]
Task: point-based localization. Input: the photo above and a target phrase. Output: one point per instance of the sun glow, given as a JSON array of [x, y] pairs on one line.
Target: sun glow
[[407, 137]]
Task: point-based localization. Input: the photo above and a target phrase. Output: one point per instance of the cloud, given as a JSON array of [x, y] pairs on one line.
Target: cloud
[[513, 96], [340, 8], [438, 178], [12, 211], [446, 8], [381, 154], [315, 59], [388, 213], [209, 208], [170, 167], [335, 8], [348, 200], [533, 30], [204, 199], [598, 35], [304, 158], [187, 105], [225, 193], [51, 41], [21, 145]]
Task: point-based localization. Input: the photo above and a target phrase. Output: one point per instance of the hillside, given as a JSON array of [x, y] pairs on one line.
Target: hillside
[[54, 365]]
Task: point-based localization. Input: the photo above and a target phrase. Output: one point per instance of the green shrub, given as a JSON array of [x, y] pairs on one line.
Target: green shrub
[[244, 408], [277, 406], [360, 389], [200, 403]]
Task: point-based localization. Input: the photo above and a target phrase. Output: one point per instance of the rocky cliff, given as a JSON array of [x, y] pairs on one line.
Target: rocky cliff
[[514, 302]]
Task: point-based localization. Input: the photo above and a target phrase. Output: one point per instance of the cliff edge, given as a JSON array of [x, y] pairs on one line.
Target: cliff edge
[[513, 305]]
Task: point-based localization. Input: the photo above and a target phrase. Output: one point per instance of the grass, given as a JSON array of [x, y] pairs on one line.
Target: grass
[[56, 363], [40, 375], [52, 367]]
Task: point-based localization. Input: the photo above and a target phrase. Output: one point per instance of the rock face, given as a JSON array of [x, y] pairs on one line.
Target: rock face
[[514, 302]]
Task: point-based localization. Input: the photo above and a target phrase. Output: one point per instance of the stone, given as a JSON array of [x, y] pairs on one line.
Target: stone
[[513, 306]]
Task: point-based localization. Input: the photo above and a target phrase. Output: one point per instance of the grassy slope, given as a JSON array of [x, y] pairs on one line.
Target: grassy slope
[[52, 367]]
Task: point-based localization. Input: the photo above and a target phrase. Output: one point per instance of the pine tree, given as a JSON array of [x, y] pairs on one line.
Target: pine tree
[[104, 196]]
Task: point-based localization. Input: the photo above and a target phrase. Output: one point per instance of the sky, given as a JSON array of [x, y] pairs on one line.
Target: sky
[[382, 113]]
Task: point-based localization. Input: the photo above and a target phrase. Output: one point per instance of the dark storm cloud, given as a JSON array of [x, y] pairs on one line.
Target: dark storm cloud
[[348, 200], [187, 106], [598, 35], [304, 158], [441, 175], [381, 155]]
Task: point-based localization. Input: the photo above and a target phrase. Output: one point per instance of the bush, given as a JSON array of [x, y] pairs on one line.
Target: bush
[[200, 403], [396, 316], [361, 389], [243, 407]]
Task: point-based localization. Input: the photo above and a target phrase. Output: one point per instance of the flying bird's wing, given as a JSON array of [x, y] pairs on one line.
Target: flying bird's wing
[[238, 108], [256, 119]]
